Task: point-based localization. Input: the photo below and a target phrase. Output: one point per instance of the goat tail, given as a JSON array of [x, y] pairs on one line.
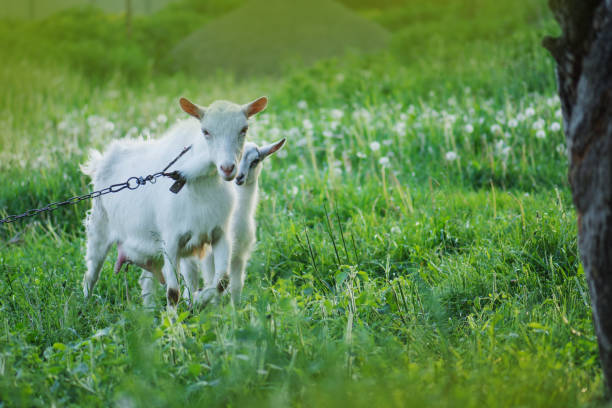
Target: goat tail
[[90, 167]]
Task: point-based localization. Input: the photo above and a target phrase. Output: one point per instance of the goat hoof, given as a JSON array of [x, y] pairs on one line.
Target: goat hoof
[[173, 296], [205, 296]]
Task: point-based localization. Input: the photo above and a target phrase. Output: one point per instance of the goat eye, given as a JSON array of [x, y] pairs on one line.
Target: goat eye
[[206, 133], [254, 163], [244, 130]]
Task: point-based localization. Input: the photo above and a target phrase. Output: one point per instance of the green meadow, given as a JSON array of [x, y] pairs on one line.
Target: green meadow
[[416, 235]]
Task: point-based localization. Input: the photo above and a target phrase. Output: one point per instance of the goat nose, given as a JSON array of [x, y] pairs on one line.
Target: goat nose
[[228, 169]]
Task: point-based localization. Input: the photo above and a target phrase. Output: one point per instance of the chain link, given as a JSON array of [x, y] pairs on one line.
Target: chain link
[[131, 184]]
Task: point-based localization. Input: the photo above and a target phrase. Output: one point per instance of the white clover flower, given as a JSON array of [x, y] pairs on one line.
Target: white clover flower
[[307, 124], [512, 123], [293, 132], [538, 124], [361, 155], [374, 146], [337, 114], [282, 153], [560, 148], [63, 125], [387, 142], [301, 142], [558, 113], [541, 134], [500, 117], [396, 230], [161, 118], [496, 129], [451, 156], [384, 161], [302, 105], [294, 189], [340, 77], [502, 149], [555, 127], [93, 120], [520, 117], [362, 114], [400, 128], [529, 112], [469, 128], [109, 126], [327, 133], [403, 117]]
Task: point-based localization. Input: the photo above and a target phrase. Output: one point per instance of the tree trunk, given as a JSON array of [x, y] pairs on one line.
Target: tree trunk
[[584, 74]]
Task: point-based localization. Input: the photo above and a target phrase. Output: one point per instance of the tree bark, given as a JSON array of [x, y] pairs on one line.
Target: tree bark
[[584, 76]]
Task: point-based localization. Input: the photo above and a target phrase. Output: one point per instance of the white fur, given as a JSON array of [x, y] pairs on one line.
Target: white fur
[[242, 225], [153, 227]]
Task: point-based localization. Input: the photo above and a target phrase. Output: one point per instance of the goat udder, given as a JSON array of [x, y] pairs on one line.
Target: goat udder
[[121, 259]]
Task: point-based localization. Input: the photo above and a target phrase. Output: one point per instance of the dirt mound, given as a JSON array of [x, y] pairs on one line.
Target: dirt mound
[[262, 35]]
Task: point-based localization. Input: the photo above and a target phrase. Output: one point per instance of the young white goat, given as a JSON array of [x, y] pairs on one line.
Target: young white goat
[[242, 228], [152, 227]]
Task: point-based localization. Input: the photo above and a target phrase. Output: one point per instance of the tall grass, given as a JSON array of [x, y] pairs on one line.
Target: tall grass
[[416, 242]]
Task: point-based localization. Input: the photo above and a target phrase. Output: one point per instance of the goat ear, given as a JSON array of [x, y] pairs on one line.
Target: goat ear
[[271, 148], [256, 106], [191, 108]]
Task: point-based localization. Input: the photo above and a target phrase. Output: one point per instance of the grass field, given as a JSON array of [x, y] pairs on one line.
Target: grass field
[[416, 239]]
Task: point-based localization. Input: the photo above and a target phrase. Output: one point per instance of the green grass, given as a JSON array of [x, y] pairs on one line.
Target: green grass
[[416, 239]]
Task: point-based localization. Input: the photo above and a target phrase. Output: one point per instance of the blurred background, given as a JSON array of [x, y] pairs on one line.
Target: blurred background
[[56, 54], [139, 38]]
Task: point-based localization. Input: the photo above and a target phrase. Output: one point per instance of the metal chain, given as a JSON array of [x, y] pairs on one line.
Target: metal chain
[[131, 184]]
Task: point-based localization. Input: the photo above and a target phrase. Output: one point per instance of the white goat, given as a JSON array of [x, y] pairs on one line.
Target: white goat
[[242, 229], [154, 228]]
